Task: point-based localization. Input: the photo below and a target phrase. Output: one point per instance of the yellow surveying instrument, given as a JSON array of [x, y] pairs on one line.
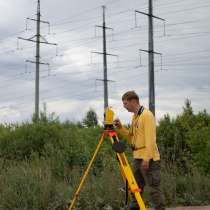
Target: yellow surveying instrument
[[125, 168]]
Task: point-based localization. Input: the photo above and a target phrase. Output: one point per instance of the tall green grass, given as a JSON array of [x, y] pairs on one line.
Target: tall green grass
[[41, 164]]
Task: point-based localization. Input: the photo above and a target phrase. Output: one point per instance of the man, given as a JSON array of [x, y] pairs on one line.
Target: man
[[142, 138]]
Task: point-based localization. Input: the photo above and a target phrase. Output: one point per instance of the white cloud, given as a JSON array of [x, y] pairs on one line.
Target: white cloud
[[74, 89]]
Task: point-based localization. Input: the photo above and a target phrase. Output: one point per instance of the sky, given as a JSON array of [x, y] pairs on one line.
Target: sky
[[71, 85]]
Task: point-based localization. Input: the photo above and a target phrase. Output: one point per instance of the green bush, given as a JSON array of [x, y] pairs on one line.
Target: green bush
[[41, 164]]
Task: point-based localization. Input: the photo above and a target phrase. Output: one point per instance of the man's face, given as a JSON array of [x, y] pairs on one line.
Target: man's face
[[130, 105]]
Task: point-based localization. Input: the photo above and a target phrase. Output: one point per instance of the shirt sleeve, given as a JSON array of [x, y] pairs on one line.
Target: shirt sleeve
[[150, 135], [126, 133]]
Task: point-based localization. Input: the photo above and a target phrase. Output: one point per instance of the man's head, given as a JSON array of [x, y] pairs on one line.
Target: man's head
[[130, 101]]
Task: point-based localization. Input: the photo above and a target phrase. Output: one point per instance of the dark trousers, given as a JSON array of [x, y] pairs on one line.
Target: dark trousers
[[151, 178]]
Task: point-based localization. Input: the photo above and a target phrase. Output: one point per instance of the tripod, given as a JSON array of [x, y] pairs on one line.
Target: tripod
[[125, 168]]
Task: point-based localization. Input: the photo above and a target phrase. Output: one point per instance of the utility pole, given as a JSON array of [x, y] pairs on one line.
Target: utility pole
[[105, 62], [37, 40], [151, 60], [151, 53], [37, 61], [104, 53]]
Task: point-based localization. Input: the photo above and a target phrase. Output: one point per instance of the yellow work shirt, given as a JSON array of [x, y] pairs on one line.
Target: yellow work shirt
[[142, 136]]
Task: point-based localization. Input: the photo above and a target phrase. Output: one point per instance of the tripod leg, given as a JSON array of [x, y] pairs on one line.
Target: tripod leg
[[129, 177], [76, 194], [127, 173]]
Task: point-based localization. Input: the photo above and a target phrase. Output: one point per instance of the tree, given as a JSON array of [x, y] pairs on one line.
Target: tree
[[184, 140], [91, 119]]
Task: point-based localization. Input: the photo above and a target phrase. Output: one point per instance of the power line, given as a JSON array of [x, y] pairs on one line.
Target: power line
[[167, 26], [177, 62], [126, 79], [188, 9]]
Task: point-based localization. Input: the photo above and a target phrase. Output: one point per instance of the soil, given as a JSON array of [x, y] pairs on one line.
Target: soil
[[190, 208]]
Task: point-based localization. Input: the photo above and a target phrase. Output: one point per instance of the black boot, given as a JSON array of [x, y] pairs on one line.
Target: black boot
[[134, 206]]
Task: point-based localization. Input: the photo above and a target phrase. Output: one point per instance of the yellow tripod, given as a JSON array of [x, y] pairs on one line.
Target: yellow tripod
[[125, 168]]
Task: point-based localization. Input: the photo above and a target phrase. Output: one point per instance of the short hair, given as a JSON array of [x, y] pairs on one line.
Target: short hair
[[129, 95]]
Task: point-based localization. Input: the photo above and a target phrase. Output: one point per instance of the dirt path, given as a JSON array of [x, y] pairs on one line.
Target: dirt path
[[190, 208]]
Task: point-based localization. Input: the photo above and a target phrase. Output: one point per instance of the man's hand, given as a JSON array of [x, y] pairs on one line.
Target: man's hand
[[117, 123], [145, 165]]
